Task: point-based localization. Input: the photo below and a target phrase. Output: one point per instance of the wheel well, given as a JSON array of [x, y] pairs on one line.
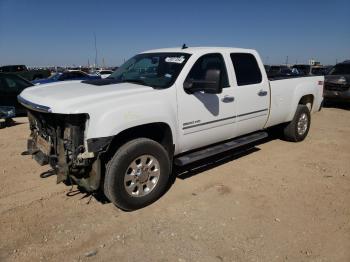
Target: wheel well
[[307, 100], [159, 132]]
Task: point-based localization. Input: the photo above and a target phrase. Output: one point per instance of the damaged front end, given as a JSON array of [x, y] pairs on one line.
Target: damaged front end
[[58, 140]]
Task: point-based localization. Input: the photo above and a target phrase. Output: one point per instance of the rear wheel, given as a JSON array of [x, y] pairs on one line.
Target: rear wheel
[[298, 128], [137, 175]]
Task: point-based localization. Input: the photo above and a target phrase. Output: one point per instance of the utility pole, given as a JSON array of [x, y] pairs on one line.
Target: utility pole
[[96, 65]]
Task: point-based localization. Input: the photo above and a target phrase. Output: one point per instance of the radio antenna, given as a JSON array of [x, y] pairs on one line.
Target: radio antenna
[[95, 51]]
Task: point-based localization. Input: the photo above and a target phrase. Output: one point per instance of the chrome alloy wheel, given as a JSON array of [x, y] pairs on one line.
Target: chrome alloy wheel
[[302, 124], [142, 176]]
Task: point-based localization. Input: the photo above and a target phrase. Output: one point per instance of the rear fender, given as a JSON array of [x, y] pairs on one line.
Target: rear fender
[[300, 91]]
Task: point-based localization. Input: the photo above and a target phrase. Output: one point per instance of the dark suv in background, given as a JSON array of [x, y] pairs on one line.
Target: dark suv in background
[[24, 72], [337, 83], [10, 87]]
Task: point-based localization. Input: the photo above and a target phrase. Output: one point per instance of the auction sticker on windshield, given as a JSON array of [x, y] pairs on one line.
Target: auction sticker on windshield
[[178, 60]]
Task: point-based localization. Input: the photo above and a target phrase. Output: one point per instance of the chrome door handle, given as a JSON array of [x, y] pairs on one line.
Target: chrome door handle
[[228, 99], [262, 93]]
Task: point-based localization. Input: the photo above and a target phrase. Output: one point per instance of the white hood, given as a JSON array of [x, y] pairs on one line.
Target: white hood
[[76, 97]]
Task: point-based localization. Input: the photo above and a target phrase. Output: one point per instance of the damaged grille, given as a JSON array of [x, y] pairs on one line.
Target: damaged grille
[[58, 139], [56, 127]]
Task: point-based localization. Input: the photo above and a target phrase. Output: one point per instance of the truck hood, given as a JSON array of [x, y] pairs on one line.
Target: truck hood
[[70, 97]]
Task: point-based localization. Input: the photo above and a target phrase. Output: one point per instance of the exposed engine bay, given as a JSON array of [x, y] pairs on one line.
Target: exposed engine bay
[[58, 140]]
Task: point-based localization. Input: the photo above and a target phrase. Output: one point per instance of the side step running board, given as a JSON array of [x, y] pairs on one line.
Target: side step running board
[[217, 149]]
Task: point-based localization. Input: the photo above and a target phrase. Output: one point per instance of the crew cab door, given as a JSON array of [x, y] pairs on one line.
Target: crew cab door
[[206, 118], [251, 92]]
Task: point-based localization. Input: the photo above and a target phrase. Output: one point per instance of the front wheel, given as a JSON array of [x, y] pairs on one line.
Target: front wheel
[[298, 128], [138, 174]]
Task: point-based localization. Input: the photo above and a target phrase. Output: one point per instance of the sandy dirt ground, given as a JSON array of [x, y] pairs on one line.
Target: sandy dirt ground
[[278, 201]]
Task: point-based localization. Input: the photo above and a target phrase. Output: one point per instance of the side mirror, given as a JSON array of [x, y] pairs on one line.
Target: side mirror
[[210, 85]]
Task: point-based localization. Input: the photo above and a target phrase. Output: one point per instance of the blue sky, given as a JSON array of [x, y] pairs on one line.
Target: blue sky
[[47, 32]]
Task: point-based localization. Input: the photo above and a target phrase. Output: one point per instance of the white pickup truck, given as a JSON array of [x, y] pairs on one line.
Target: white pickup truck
[[162, 107]]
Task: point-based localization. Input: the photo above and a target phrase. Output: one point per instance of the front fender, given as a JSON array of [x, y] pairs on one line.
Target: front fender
[[112, 122]]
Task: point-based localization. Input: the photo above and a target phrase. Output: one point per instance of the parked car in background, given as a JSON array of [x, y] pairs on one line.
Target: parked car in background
[[337, 83], [282, 71], [67, 75], [10, 87], [267, 68], [304, 69], [320, 70], [6, 114], [311, 70], [83, 69], [104, 73], [327, 69], [23, 71]]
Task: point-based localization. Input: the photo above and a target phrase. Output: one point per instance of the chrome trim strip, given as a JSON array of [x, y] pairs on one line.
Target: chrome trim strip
[[227, 118], [33, 106]]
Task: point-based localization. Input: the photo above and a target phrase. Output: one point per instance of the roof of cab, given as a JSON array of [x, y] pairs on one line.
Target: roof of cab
[[200, 49]]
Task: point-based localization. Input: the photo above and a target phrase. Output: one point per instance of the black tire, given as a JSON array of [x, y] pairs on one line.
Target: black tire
[[291, 130], [114, 184]]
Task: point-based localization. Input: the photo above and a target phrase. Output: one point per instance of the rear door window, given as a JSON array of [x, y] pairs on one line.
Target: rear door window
[[246, 68]]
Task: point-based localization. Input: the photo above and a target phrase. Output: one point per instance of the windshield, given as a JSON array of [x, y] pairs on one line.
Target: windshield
[[158, 70], [340, 69]]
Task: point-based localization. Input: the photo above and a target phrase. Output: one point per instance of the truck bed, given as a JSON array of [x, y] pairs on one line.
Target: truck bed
[[279, 77], [284, 90]]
